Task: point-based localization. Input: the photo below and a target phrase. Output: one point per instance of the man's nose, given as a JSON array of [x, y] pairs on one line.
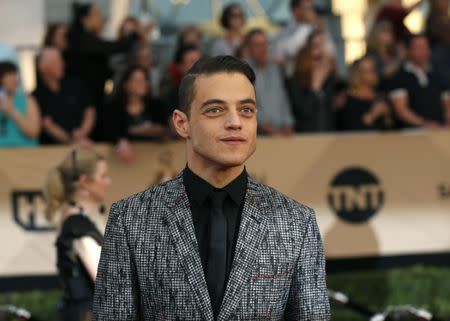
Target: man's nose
[[233, 120]]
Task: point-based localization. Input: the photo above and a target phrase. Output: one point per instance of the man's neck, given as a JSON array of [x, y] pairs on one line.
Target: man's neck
[[217, 176], [52, 83]]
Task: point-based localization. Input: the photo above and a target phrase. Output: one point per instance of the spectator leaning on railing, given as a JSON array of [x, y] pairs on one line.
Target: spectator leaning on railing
[[311, 89], [20, 121], [133, 114], [419, 95], [67, 110], [364, 109]]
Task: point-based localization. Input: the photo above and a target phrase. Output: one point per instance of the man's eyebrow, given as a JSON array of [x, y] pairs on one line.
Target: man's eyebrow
[[248, 101], [223, 102], [212, 101]]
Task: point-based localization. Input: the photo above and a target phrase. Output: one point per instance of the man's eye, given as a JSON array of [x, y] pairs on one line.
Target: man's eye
[[248, 110], [213, 110]]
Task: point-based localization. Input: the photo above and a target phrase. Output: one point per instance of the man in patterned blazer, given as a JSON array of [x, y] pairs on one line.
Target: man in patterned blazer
[[212, 244]]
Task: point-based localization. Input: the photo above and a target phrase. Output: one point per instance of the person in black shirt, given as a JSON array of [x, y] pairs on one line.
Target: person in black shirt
[[419, 96], [198, 191], [74, 190], [133, 114], [364, 108], [153, 268], [88, 55], [67, 110], [312, 87]]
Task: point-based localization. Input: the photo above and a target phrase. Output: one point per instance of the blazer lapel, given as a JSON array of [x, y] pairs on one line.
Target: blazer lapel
[[182, 233], [251, 231]]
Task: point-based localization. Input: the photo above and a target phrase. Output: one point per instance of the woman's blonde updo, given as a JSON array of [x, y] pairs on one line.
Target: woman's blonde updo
[[62, 180]]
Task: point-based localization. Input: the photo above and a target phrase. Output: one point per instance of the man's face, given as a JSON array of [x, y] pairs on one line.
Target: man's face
[[419, 51], [302, 10], [258, 48], [221, 128], [52, 65]]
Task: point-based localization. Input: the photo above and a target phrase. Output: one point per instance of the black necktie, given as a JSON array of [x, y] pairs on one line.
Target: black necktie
[[217, 250]]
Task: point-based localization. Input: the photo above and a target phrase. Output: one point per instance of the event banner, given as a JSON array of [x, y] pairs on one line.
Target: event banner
[[374, 195]]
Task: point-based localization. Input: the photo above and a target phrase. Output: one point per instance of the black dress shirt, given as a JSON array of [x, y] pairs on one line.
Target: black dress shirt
[[198, 191], [66, 107]]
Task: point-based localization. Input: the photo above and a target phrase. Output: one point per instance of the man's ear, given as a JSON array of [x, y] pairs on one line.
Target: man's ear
[[181, 123]]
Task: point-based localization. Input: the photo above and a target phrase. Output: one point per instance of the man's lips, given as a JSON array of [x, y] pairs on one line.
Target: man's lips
[[233, 140]]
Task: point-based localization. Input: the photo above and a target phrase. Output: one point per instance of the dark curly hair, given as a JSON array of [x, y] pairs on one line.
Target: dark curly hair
[[226, 14]]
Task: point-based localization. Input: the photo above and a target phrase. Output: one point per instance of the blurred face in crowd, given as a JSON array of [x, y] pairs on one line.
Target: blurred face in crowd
[[258, 48], [10, 81], [395, 3], [368, 73], [144, 57], [302, 11], [128, 26], [59, 39], [137, 84], [419, 51], [236, 18], [220, 129], [192, 36], [189, 59], [94, 20], [98, 183], [318, 46], [51, 64], [385, 37]]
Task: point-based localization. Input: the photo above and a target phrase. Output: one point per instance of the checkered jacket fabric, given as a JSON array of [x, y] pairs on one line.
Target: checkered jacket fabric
[[150, 266]]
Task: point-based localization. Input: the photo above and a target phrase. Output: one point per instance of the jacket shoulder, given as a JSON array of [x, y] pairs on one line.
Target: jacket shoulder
[[283, 205], [144, 198]]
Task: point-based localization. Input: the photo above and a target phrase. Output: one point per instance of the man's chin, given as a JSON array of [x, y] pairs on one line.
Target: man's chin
[[233, 162]]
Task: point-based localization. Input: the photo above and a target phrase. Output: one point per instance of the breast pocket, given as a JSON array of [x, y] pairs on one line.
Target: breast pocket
[[267, 288]]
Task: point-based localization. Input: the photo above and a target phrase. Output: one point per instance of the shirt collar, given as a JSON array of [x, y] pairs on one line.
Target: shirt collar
[[420, 74], [199, 189]]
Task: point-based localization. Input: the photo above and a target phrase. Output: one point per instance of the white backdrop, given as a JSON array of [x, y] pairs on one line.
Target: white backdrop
[[22, 22]]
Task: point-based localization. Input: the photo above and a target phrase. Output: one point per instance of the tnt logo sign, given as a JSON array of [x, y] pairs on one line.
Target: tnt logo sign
[[28, 210], [355, 195]]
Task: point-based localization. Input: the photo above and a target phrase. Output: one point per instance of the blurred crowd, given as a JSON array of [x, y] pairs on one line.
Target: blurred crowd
[[90, 89]]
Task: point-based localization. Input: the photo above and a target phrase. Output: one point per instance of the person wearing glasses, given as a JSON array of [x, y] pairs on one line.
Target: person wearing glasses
[[74, 191]]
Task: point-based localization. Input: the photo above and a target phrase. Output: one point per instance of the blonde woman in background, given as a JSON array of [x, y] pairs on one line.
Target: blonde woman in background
[[365, 109], [74, 190]]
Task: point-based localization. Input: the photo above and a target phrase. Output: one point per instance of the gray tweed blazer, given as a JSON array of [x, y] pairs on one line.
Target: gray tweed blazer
[[150, 266]]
